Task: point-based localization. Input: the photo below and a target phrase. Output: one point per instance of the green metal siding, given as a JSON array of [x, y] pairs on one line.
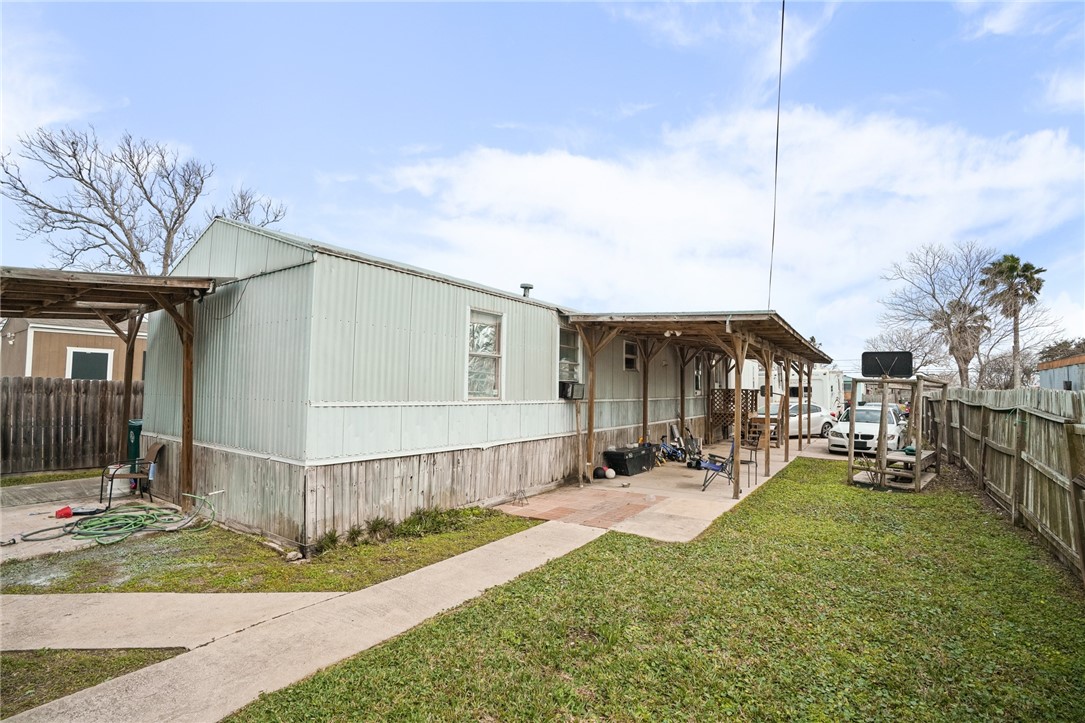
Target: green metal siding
[[250, 366]]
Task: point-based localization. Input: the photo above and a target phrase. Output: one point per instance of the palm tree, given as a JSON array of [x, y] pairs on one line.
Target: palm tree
[[1012, 285], [962, 324]]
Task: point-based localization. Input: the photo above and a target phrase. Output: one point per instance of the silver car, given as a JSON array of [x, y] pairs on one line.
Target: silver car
[[821, 420]]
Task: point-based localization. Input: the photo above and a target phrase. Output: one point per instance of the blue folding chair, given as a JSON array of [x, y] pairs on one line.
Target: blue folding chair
[[715, 465]]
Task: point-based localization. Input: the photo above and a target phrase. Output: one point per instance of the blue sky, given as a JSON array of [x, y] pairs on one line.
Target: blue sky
[[617, 156]]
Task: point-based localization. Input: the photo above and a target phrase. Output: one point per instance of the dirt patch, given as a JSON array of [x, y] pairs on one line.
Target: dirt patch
[[960, 479]]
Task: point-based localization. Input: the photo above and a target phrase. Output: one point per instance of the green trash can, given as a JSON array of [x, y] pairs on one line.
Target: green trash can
[[135, 430]]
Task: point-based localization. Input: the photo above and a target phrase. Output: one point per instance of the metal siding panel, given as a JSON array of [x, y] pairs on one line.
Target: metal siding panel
[[562, 417], [326, 430], [382, 340], [540, 353], [438, 342], [534, 420], [425, 427], [365, 430], [503, 422], [467, 424], [334, 351], [250, 363]]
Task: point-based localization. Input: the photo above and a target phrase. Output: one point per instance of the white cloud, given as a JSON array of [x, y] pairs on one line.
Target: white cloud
[[36, 87], [997, 18], [1064, 91], [628, 110], [687, 225], [753, 28], [681, 24], [325, 179], [1018, 18]]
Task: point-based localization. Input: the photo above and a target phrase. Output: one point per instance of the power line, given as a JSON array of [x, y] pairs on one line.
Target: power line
[[776, 170]]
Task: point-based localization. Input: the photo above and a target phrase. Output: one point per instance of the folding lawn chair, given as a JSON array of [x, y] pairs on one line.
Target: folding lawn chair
[[716, 465]]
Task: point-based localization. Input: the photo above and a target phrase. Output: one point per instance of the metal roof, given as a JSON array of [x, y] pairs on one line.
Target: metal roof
[[331, 250], [764, 329], [52, 294]]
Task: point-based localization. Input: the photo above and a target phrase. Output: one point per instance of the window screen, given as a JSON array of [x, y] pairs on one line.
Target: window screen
[[484, 356]]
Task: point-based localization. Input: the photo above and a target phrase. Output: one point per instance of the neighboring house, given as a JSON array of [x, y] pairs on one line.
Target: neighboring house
[[65, 348], [1067, 374], [332, 387]]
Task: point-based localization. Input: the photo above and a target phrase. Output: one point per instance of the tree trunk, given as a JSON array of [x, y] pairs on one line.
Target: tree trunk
[[962, 370], [1017, 346]]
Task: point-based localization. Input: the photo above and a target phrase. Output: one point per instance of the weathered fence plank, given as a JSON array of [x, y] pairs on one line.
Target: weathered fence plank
[[52, 424]]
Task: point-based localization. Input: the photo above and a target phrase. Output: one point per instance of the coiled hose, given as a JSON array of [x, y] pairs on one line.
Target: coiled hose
[[113, 525]]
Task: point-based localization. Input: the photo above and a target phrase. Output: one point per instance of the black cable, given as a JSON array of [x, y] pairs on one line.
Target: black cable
[[776, 170]]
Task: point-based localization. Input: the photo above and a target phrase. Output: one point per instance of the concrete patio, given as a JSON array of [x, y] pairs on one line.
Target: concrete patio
[[665, 503]]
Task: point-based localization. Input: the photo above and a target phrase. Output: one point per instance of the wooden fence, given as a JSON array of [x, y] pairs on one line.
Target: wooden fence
[[1027, 449], [53, 424]]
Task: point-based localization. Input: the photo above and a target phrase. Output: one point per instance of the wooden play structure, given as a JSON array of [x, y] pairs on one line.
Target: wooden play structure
[[899, 469]]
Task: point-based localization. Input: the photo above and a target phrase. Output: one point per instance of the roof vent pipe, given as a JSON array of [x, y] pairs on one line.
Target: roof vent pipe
[[527, 289]]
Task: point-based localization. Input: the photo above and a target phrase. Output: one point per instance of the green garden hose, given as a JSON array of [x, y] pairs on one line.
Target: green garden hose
[[112, 526]]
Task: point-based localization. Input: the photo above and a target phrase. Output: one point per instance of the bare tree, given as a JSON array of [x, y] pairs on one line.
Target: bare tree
[[122, 209], [250, 207], [927, 348], [939, 290]]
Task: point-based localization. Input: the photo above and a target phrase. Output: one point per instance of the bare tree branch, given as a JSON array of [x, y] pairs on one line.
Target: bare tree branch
[[247, 206], [939, 291], [119, 210], [927, 348]]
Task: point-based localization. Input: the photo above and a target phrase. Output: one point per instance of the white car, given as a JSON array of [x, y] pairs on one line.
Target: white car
[[866, 430], [821, 419]]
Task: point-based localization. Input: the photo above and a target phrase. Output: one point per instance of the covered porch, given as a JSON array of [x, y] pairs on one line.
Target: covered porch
[[724, 340]]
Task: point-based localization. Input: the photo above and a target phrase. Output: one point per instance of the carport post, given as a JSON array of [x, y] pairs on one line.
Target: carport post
[[785, 408], [739, 344]]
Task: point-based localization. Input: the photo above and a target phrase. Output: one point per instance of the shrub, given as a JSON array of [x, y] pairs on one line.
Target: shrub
[[329, 540], [379, 529]]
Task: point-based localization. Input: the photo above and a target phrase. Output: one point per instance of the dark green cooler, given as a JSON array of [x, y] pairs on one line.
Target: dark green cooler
[[135, 431]]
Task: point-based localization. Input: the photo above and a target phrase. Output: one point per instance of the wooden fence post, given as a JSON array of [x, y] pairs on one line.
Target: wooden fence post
[[984, 422], [960, 433], [1017, 474], [943, 430]]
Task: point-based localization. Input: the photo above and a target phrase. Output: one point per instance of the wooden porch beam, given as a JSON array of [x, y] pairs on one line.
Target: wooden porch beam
[[182, 324]]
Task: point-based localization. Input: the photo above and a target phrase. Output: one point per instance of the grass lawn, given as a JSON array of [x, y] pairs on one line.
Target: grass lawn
[[216, 560], [34, 677], [37, 477], [811, 600]]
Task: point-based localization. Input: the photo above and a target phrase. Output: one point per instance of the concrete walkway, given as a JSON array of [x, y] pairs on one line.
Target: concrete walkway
[[231, 671]]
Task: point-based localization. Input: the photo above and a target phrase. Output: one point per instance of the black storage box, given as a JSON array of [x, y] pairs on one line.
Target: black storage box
[[629, 460]]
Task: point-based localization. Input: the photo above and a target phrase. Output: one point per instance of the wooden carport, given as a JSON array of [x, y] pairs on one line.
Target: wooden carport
[[738, 335], [121, 301]]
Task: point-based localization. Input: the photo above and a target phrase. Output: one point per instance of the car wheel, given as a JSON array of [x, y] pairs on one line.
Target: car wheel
[[825, 429]]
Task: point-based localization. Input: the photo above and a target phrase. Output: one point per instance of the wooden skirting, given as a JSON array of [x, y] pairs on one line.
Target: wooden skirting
[[299, 504]]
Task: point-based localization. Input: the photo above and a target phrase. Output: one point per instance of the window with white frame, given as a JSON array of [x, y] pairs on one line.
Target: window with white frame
[[632, 356], [698, 374], [568, 356], [484, 356], [88, 363]]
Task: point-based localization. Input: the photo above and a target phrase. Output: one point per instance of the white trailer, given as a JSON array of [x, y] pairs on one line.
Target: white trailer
[[826, 389]]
